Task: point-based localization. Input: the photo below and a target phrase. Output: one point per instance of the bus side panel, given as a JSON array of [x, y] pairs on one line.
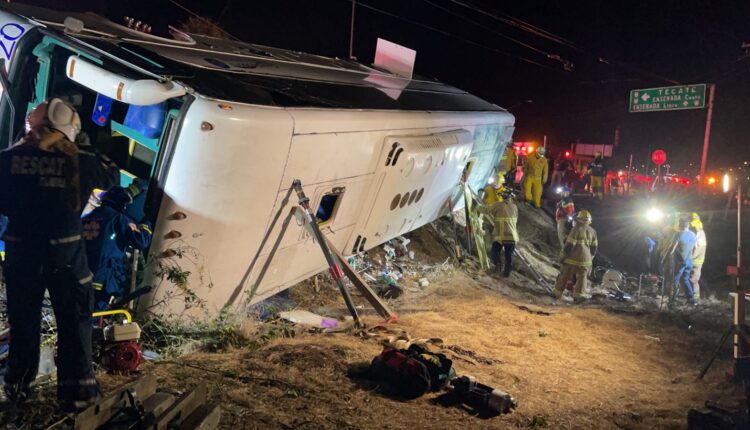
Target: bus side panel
[[220, 191]]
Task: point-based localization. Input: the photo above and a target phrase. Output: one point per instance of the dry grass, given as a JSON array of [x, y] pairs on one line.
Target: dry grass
[[577, 368]]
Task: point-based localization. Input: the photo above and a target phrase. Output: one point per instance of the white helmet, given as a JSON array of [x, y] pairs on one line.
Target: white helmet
[[58, 115]]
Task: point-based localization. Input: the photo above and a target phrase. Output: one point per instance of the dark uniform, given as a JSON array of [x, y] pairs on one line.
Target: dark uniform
[[99, 170], [108, 232], [598, 171], [40, 194]]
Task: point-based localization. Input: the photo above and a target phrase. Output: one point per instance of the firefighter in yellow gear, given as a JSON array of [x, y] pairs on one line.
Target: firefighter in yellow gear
[[504, 216], [699, 254], [509, 160], [493, 191], [507, 165], [578, 255], [535, 170]]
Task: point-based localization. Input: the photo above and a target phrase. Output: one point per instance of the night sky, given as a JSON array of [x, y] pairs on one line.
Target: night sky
[[613, 46]]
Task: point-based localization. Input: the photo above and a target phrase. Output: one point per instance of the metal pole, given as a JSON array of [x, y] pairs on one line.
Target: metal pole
[[351, 32], [739, 299], [711, 91], [630, 173], [545, 142], [333, 266]]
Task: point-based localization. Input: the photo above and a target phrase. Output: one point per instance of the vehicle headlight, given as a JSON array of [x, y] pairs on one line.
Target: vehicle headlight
[[654, 215]]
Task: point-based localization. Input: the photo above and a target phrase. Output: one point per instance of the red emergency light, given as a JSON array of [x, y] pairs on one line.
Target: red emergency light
[[567, 154], [524, 148]]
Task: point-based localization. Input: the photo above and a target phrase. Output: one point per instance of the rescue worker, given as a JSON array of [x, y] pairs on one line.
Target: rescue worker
[[535, 169], [108, 233], [504, 215], [699, 254], [682, 252], [664, 247], [493, 191], [564, 211], [40, 194], [578, 255], [508, 165], [558, 172], [597, 171]]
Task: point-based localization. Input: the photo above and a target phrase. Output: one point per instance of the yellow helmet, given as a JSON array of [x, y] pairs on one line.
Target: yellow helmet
[[501, 178], [584, 216]]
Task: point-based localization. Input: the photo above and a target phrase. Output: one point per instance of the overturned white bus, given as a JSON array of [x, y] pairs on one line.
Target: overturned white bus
[[220, 129]]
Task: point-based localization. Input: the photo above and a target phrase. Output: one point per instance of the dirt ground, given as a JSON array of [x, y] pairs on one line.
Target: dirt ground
[[576, 368], [595, 366]]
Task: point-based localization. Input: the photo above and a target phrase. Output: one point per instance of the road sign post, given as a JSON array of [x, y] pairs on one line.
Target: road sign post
[[668, 98], [704, 156], [659, 157], [679, 97]]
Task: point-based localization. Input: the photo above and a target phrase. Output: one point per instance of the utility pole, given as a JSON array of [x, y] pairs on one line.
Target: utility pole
[[711, 91], [630, 173], [351, 32]]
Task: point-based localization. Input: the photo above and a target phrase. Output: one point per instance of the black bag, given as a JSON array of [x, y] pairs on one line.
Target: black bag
[[407, 376], [412, 372], [439, 367]]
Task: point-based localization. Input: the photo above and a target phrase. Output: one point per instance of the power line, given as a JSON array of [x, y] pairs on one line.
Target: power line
[[517, 23], [445, 33], [568, 65], [514, 22]]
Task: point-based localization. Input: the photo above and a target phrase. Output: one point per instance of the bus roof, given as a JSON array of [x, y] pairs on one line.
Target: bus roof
[[249, 73]]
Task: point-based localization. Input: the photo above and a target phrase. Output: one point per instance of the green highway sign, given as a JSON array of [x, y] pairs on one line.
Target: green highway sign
[[668, 98]]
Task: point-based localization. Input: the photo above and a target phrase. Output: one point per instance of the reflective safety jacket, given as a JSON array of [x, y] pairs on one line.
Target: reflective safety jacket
[[39, 193], [580, 246], [504, 219], [699, 252], [508, 161], [535, 167], [108, 233], [491, 195]]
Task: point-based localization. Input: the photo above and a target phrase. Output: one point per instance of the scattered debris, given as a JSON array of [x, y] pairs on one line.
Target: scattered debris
[[139, 404], [308, 318]]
